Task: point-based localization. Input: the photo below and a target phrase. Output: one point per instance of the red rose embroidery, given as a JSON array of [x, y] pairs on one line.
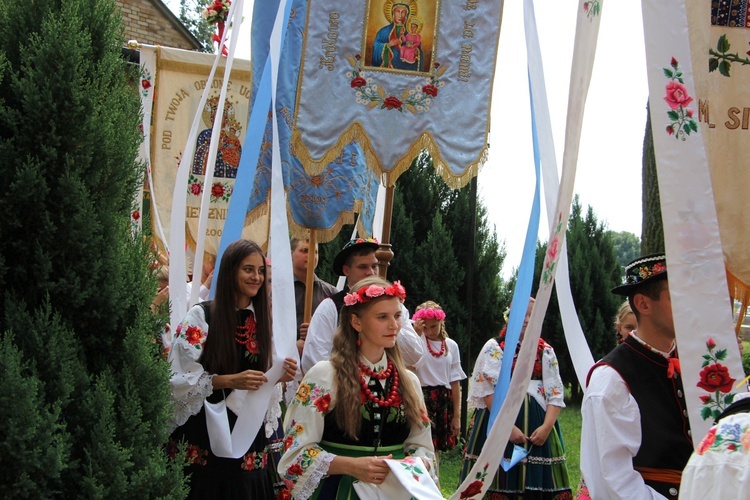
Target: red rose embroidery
[[705, 399], [295, 470], [284, 494], [472, 489], [710, 343], [554, 247], [145, 84], [217, 190], [392, 102], [707, 441], [670, 129], [358, 82], [715, 377], [135, 215], [677, 95], [322, 403], [252, 346], [193, 335], [288, 440], [430, 90], [196, 188]]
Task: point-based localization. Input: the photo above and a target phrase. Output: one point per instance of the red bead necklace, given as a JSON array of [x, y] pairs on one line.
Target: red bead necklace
[[245, 335], [439, 353], [392, 399]]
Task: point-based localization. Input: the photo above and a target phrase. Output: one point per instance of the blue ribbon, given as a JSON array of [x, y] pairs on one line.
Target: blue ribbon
[[523, 283], [243, 184]]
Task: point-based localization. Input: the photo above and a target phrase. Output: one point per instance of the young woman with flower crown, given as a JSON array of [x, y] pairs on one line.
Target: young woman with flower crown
[[360, 407], [440, 373], [543, 474], [207, 368]]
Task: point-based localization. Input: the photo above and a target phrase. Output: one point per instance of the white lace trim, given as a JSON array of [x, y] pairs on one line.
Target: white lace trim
[[192, 403], [320, 470], [273, 414]]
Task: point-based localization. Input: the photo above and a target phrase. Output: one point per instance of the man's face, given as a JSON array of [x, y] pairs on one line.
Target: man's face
[[300, 257], [399, 14], [662, 317], [360, 267]]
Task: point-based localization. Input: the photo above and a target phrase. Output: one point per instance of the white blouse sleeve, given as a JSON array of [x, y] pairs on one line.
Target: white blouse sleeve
[[456, 372], [190, 384], [305, 463], [554, 390], [409, 343], [484, 378]]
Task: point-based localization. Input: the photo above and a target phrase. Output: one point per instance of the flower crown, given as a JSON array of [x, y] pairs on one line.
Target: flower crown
[[430, 313], [367, 293]]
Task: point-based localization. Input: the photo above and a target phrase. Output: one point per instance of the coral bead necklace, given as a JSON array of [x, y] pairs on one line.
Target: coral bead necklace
[[392, 399], [439, 353]]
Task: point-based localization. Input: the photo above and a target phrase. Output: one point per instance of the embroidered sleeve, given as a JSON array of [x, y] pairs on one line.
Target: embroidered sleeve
[[304, 462], [419, 441], [190, 383], [484, 378], [554, 390]]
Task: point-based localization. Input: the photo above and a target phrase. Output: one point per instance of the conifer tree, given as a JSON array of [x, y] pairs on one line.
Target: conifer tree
[[652, 237], [85, 395]]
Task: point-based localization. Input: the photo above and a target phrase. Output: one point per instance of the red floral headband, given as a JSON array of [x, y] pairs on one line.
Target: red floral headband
[[430, 313], [367, 293]]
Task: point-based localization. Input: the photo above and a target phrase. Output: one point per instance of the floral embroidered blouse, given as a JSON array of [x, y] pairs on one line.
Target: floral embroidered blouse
[[545, 386], [305, 462], [190, 383]]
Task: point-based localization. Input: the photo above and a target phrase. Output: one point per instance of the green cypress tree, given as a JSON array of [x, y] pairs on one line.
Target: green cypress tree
[[652, 239], [85, 395]]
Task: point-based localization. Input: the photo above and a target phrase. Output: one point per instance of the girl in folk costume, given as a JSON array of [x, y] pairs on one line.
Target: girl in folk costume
[[440, 373], [209, 367], [358, 408], [543, 473]]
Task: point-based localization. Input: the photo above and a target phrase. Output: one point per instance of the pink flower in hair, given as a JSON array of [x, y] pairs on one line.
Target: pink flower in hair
[[374, 291], [350, 299]]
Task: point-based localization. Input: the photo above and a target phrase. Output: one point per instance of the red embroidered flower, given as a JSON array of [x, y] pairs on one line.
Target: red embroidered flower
[[252, 345], [437, 64], [554, 247], [288, 441], [284, 494], [193, 335], [670, 129], [358, 82], [705, 399], [430, 90], [196, 188], [145, 84], [710, 343], [249, 463], [715, 377], [707, 441], [472, 489], [195, 455], [392, 102], [322, 403], [677, 95], [217, 190], [135, 215], [295, 470]]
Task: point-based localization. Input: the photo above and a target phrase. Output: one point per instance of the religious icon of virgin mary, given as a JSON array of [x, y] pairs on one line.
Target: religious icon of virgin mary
[[396, 44]]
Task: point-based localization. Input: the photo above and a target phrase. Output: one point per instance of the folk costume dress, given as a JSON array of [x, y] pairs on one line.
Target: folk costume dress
[[211, 477], [543, 473], [440, 366], [312, 438]]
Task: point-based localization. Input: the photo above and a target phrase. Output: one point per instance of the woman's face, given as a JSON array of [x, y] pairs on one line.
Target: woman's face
[[627, 325], [250, 277], [399, 14], [378, 325]]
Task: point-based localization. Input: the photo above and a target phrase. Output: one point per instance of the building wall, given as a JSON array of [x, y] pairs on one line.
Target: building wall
[[147, 22]]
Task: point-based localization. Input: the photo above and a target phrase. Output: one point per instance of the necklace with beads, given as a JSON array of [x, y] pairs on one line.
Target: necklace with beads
[[439, 353], [245, 334], [392, 399]]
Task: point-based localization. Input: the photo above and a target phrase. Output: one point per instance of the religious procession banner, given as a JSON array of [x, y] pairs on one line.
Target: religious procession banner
[[397, 77], [709, 357], [181, 77], [719, 40]]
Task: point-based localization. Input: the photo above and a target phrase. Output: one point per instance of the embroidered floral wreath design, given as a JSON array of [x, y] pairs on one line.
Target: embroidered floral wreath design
[[220, 191], [553, 252], [416, 100], [682, 122], [715, 380], [592, 8], [721, 58]]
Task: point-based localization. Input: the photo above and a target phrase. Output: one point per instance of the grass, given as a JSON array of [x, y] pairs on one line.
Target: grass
[[570, 425]]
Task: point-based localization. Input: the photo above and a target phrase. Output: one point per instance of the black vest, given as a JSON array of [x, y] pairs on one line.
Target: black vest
[[338, 300], [665, 429]]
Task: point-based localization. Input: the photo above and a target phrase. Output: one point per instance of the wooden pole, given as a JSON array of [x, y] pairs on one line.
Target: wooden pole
[[384, 254], [310, 278]]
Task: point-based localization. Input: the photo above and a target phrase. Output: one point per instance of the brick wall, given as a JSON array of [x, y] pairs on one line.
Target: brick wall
[[149, 21]]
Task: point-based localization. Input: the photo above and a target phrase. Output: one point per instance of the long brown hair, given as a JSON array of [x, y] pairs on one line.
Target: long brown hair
[[345, 362], [220, 351]]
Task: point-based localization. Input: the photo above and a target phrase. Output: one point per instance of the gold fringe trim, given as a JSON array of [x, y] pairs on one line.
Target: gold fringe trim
[[324, 235], [356, 133], [739, 291]]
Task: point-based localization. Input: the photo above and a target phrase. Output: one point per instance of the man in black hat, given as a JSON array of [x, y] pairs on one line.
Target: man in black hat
[[635, 438], [356, 261]]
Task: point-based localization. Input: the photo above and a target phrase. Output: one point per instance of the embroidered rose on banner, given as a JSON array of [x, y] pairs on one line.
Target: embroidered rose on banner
[[714, 378], [220, 191], [145, 81], [475, 487], [592, 8], [678, 99], [415, 100], [553, 252]]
